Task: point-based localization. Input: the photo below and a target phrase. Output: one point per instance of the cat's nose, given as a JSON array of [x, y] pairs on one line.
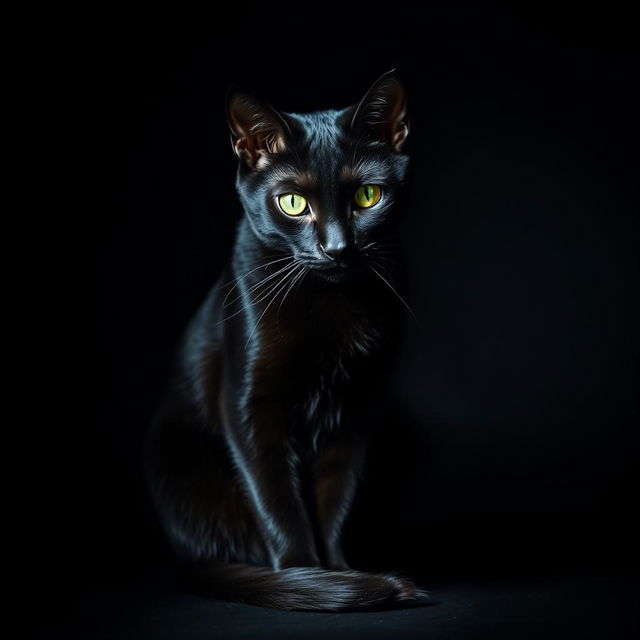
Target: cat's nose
[[335, 250]]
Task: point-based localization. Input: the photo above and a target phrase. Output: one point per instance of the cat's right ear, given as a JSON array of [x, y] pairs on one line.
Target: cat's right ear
[[257, 130], [382, 114]]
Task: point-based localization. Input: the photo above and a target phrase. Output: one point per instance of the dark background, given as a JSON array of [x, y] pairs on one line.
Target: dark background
[[512, 440]]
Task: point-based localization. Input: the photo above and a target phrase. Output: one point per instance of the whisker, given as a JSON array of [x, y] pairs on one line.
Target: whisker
[[261, 296], [404, 302], [273, 298], [293, 281], [226, 284], [255, 286], [239, 278], [382, 267], [384, 247], [375, 257], [290, 270], [389, 260], [304, 273]]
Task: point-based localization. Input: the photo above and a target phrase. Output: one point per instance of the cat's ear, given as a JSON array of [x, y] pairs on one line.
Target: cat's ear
[[257, 130], [382, 112]]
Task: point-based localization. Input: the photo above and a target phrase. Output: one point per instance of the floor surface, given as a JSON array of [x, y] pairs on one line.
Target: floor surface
[[585, 608]]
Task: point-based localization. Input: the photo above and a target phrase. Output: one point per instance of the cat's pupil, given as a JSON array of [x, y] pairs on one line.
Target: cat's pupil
[[292, 201]]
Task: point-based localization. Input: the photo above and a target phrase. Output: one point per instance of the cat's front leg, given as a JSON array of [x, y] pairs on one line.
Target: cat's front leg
[[336, 473], [267, 466]]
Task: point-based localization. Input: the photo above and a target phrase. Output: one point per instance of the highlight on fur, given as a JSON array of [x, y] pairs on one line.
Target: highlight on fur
[[254, 456], [303, 588]]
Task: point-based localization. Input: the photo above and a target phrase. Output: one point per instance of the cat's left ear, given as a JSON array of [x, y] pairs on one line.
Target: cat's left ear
[[258, 131], [382, 113]]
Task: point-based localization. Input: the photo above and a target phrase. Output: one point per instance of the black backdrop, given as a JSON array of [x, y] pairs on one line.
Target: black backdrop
[[512, 442]]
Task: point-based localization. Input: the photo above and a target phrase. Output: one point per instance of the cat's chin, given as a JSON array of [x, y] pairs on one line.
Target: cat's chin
[[337, 274]]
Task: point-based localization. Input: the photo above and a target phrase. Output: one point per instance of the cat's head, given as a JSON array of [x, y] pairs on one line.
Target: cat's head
[[322, 186]]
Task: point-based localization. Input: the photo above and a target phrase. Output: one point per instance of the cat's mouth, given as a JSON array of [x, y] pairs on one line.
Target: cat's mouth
[[336, 272]]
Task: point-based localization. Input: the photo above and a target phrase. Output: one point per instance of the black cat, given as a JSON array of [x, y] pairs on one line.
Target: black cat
[[254, 456]]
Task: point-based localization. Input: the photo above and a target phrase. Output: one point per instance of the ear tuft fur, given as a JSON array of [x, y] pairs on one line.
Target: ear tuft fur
[[257, 130], [382, 112]]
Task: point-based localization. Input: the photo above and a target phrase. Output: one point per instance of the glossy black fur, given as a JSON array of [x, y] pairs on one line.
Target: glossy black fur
[[254, 456]]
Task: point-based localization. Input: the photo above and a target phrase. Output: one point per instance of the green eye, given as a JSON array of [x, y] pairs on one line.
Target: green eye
[[293, 204], [367, 195]]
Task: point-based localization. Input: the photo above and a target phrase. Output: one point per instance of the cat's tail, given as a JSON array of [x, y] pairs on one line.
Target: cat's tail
[[302, 588]]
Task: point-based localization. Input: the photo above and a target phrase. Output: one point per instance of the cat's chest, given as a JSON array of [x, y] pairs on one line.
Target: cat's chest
[[336, 331], [334, 362]]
